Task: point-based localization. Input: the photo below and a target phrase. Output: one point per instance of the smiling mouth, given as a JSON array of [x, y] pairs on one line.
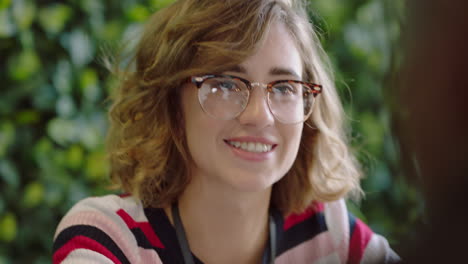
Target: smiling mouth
[[255, 147]]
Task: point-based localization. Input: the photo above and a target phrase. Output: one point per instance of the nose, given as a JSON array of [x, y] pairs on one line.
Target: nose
[[257, 113]]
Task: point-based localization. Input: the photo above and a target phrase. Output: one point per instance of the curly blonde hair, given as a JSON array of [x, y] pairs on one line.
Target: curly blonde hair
[[146, 140]]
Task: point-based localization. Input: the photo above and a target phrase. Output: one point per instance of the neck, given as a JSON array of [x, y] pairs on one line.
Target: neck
[[224, 225]]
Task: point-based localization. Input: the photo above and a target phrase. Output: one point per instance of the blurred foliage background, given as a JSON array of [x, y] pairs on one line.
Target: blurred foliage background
[[53, 109]]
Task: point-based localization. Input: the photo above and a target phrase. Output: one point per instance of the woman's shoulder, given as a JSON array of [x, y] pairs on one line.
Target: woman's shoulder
[[101, 211], [364, 245], [107, 229], [329, 232]]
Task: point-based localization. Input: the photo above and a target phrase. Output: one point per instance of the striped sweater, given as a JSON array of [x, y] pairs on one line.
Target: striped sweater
[[116, 229]]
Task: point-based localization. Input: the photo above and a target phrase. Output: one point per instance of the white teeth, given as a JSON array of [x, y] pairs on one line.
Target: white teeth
[[243, 145], [251, 146]]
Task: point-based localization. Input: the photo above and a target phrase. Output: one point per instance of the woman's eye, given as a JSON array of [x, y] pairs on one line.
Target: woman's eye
[[284, 89], [227, 85]]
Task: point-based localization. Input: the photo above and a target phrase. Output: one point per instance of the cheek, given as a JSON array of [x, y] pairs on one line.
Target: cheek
[[190, 118], [292, 137], [200, 130]]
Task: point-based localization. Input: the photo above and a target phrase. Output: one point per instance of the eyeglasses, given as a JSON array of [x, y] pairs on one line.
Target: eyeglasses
[[225, 97]]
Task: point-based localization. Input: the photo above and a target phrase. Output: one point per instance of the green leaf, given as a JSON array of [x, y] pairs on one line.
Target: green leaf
[[332, 11], [88, 78], [26, 117], [90, 137], [7, 137], [373, 132], [2, 205], [42, 150], [23, 13], [62, 131], [44, 98], [77, 192], [7, 27], [97, 166], [138, 13], [33, 194], [62, 78], [54, 17], [8, 227], [370, 13], [4, 4], [9, 174], [380, 178], [92, 6], [111, 31], [92, 129], [89, 85], [24, 65], [358, 39], [65, 106], [53, 195], [80, 47], [75, 157], [158, 4]]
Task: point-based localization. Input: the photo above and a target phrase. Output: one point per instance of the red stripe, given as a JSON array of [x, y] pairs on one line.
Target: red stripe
[[358, 243], [82, 242], [294, 219], [145, 227]]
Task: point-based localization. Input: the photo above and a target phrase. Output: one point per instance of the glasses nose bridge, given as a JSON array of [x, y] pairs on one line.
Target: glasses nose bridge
[[263, 95], [264, 90], [258, 102], [264, 87], [259, 84]]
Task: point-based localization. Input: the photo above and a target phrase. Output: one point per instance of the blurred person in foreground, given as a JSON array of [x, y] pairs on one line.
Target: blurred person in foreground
[[229, 141], [431, 118]]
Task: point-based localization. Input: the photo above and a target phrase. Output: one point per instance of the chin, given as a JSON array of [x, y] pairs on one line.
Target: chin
[[253, 182]]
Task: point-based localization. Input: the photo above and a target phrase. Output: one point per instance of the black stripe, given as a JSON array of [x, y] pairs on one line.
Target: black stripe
[[166, 232], [279, 221], [93, 233], [352, 224], [302, 232], [141, 238]]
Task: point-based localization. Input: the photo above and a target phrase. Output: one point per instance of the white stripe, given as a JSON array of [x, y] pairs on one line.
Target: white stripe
[[330, 259], [378, 251], [86, 256], [336, 217]]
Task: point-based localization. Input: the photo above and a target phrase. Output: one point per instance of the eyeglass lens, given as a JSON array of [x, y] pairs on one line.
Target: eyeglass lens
[[225, 98]]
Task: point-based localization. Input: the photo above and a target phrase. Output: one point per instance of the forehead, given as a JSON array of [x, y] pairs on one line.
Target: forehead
[[278, 50]]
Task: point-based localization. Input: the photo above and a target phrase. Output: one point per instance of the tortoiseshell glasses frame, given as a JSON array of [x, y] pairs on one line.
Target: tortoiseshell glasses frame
[[226, 97]]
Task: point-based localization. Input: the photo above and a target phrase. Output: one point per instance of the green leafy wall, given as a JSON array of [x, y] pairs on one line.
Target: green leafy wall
[[53, 121]]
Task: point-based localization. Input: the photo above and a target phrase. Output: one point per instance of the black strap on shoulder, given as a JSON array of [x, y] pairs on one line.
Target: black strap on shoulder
[[181, 237], [272, 239]]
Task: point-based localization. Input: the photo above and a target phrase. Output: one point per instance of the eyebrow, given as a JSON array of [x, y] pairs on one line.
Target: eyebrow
[[284, 71], [236, 68], [273, 71]]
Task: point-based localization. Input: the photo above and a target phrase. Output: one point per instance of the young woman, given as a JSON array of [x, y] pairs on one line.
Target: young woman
[[228, 140]]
